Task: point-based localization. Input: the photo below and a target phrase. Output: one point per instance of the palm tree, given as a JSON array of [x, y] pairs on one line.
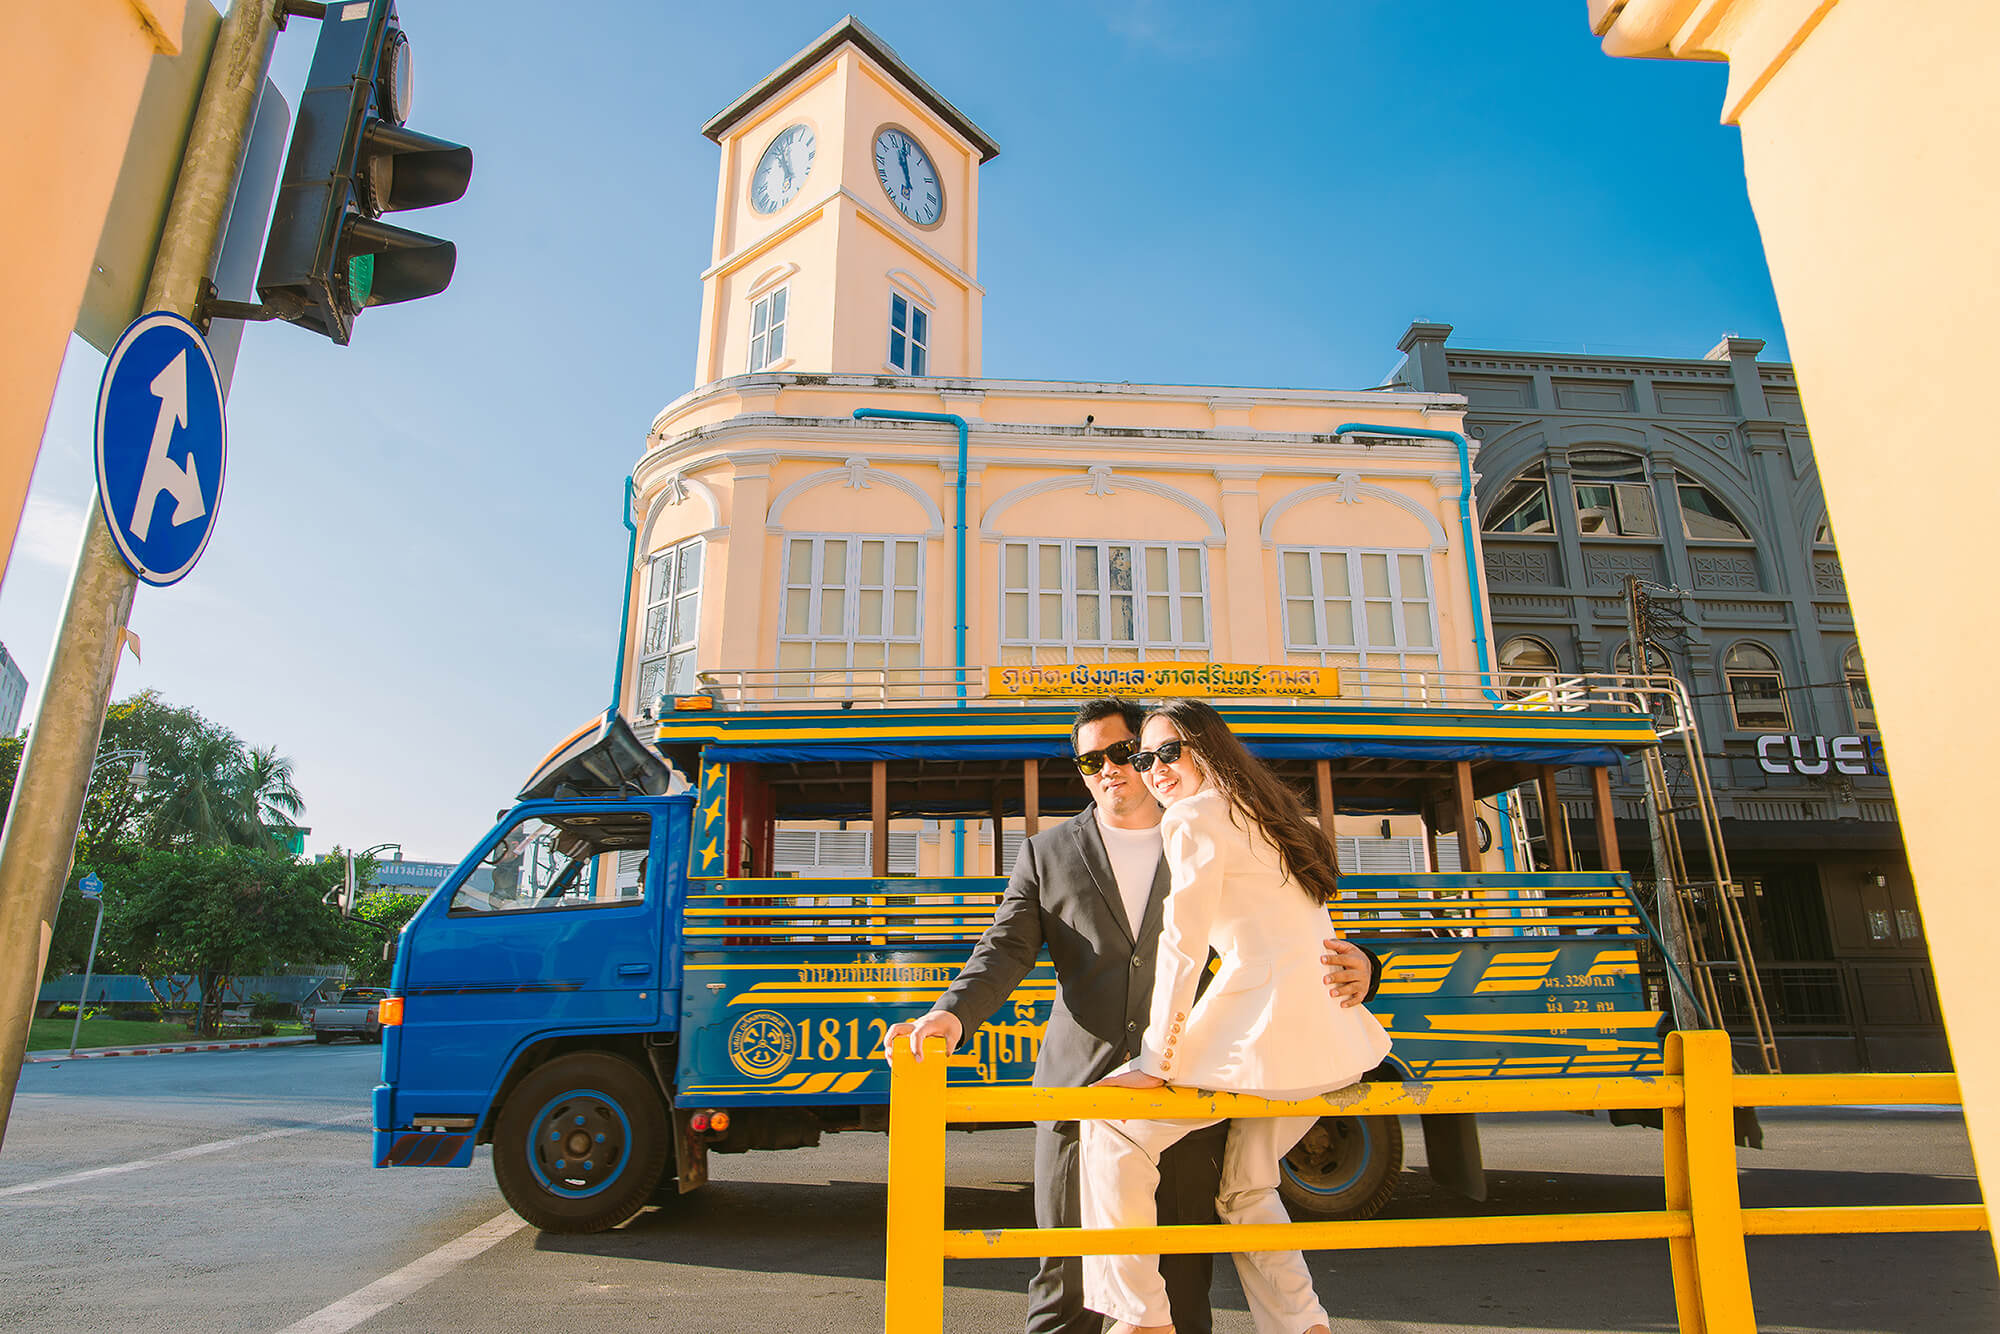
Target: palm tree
[[200, 793], [270, 802]]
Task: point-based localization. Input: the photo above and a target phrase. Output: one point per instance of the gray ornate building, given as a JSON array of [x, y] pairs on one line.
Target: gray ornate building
[[1697, 475]]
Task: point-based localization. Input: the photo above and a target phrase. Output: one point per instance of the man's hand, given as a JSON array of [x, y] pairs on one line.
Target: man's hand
[[1130, 1079], [938, 1024], [1347, 972]]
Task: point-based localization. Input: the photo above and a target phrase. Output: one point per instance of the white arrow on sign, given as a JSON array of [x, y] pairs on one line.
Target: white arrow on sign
[[170, 386]]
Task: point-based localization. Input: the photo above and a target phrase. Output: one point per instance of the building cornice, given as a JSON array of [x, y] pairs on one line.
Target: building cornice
[[1341, 401], [836, 438]]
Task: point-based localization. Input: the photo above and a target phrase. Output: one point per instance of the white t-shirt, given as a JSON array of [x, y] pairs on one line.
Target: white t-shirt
[[1135, 856]]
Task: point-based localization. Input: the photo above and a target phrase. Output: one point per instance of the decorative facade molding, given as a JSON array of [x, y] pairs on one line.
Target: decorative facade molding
[[859, 474], [678, 489], [1101, 480], [1514, 566], [1725, 571], [906, 280], [1607, 569], [1349, 489], [768, 279]]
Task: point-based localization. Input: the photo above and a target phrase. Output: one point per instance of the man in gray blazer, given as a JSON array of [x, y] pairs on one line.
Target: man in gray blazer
[[1091, 891]]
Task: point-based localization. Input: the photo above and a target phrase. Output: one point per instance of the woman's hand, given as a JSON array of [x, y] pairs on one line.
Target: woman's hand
[[1131, 1079]]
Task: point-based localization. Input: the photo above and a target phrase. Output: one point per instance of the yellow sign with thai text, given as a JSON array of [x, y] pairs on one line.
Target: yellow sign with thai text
[[1212, 679]]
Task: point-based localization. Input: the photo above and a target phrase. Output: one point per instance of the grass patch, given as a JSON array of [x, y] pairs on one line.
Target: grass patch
[[47, 1034], [53, 1034]]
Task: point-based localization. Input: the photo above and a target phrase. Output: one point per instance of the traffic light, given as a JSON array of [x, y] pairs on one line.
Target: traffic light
[[329, 255]]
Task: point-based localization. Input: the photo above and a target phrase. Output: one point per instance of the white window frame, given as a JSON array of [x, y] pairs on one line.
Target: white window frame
[[768, 347], [916, 351], [1855, 671], [1044, 643], [1730, 676], [1369, 654], [1517, 680], [852, 633], [1515, 497], [1631, 498], [661, 605], [1685, 483]]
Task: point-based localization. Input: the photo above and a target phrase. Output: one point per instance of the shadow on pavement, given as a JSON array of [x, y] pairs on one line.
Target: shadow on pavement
[[1936, 1284]]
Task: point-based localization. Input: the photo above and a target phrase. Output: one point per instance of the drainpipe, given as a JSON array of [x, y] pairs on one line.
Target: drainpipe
[[958, 630], [625, 614], [1480, 648]]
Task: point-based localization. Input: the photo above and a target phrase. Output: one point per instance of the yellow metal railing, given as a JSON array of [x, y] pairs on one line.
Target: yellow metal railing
[[1704, 1221]]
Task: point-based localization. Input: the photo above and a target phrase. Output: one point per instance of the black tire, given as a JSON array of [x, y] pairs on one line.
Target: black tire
[[323, 1039], [584, 1103], [1346, 1167]]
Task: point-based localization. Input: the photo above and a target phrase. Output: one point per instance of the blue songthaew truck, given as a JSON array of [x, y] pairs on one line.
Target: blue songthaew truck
[[620, 980]]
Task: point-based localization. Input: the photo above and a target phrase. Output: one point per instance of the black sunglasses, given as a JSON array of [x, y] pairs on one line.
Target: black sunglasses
[[1118, 752], [1166, 753]]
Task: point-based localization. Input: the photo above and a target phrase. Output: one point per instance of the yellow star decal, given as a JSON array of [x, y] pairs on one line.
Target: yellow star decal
[[713, 811], [709, 855]]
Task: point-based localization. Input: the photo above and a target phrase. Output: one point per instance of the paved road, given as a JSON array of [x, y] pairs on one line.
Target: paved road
[[230, 1192]]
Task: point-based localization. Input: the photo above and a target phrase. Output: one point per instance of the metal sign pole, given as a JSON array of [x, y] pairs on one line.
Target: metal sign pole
[[40, 837], [89, 967]]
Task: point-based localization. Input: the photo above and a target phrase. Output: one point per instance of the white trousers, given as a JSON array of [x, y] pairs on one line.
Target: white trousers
[[1120, 1172]]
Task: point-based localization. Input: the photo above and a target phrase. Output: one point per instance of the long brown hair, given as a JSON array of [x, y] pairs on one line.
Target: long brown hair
[[1303, 847]]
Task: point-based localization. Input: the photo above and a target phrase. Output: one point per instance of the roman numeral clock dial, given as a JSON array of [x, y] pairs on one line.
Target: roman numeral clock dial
[[782, 170], [909, 177]]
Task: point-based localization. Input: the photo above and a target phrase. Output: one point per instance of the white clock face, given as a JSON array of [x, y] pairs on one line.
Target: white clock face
[[783, 169], [909, 177]]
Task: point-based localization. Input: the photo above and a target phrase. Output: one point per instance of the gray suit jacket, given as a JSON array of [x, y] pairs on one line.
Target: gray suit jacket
[[1064, 896]]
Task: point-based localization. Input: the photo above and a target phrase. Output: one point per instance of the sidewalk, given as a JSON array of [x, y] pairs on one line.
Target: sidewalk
[[87, 1053]]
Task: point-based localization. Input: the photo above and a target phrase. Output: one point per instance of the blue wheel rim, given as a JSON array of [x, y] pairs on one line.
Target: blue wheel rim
[[1345, 1183], [580, 1144]]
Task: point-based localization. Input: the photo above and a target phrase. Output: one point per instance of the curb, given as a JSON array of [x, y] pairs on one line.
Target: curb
[[92, 1053]]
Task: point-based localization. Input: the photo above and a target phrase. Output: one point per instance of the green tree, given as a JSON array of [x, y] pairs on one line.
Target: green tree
[[108, 812], [219, 913], [378, 920]]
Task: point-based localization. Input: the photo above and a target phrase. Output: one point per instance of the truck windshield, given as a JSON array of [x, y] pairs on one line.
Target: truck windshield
[[569, 861]]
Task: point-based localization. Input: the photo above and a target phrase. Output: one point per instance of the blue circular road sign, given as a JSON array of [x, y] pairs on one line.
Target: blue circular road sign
[[160, 446]]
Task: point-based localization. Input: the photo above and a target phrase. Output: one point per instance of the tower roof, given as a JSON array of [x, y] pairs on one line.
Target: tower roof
[[850, 29]]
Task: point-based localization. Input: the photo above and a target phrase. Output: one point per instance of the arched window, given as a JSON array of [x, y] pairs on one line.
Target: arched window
[[673, 611], [1529, 663], [1756, 689], [1613, 497], [1656, 661], [1823, 535], [1523, 506], [1858, 697], [1704, 518]]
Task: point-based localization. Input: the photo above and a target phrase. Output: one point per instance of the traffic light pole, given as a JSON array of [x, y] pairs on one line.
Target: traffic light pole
[[40, 835]]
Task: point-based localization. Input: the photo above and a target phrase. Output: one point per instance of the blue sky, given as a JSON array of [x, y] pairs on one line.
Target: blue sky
[[414, 582]]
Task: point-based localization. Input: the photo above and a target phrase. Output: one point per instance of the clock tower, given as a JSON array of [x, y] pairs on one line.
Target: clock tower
[[846, 221]]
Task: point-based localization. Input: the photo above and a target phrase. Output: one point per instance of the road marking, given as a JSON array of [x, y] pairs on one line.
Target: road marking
[[412, 1278], [192, 1151]]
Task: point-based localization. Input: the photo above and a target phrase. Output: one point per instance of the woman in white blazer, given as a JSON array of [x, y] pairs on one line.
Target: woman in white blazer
[[1251, 879]]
